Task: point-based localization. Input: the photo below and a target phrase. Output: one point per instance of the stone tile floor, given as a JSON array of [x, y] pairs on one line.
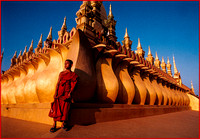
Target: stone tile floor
[[184, 124]]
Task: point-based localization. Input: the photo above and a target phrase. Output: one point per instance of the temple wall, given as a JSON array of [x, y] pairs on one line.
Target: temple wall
[[100, 79], [86, 113], [194, 102], [114, 82], [104, 81]]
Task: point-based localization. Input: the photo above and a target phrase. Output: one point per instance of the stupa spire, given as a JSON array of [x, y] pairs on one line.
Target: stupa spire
[[176, 73], [13, 60], [40, 41], [39, 46], [139, 44], [163, 61], [157, 61], [126, 34], [169, 67], [110, 11], [175, 69], [62, 31], [127, 42], [50, 34], [163, 65], [149, 52], [31, 46], [20, 53], [139, 50], [64, 27], [110, 23], [149, 57], [192, 87], [15, 54], [157, 56], [168, 60], [25, 50]]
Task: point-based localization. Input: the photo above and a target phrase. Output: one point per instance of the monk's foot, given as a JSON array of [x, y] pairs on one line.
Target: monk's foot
[[64, 126], [67, 127], [53, 129]]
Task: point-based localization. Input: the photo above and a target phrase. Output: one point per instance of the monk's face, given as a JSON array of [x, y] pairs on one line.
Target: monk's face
[[68, 65]]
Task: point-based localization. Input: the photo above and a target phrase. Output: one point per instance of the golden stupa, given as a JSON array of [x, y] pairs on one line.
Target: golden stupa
[[109, 72]]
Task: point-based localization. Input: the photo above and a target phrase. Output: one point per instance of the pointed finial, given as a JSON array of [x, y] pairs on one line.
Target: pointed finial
[[157, 56], [149, 52], [126, 34], [139, 44], [20, 53], [169, 67], [31, 46], [175, 69], [139, 50], [40, 41], [149, 57], [64, 27], [110, 11], [157, 61], [25, 50], [168, 60], [163, 65], [163, 60], [15, 55], [192, 85], [50, 34]]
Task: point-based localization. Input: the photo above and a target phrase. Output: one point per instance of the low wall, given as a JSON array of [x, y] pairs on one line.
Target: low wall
[[86, 113], [194, 102]]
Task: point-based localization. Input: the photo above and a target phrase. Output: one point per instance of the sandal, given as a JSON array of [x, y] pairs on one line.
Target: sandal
[[53, 129]]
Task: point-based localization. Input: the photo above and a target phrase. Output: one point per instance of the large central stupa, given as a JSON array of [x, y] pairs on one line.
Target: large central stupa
[[109, 72]]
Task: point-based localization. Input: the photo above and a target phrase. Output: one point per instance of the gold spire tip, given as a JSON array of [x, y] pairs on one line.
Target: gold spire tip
[[175, 69], [163, 60], [126, 33], [110, 11], [139, 44], [149, 52], [50, 34], [40, 41], [157, 56], [168, 60]]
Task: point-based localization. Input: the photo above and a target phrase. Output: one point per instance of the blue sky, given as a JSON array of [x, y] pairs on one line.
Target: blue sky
[[170, 28]]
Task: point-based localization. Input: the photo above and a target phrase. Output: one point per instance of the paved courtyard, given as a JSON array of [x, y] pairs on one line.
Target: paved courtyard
[[184, 124]]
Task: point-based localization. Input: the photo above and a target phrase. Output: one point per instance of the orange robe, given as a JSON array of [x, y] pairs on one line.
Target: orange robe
[[62, 98]]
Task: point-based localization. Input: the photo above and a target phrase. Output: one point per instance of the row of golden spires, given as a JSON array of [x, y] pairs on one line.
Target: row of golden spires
[[139, 48], [127, 42]]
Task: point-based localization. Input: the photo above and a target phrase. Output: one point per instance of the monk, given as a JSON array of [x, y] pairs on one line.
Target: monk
[[62, 98]]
